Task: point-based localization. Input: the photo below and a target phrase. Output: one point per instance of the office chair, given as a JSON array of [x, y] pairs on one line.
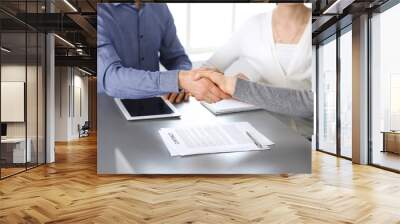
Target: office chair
[[84, 130]]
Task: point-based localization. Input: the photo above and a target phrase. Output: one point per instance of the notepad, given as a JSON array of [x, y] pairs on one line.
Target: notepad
[[219, 138], [228, 106]]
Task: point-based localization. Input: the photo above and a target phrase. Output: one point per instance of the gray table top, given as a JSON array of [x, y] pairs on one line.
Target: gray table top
[[135, 147]]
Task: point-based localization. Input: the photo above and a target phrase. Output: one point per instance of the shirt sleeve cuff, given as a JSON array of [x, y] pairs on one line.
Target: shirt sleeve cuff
[[241, 88], [169, 81]]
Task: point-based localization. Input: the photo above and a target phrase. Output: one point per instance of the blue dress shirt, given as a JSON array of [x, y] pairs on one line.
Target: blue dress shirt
[[131, 45]]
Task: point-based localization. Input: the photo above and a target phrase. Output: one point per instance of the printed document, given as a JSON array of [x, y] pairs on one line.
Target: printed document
[[219, 138]]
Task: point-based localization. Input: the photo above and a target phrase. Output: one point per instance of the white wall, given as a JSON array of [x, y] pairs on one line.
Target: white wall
[[70, 83], [79, 117], [17, 73], [61, 103]]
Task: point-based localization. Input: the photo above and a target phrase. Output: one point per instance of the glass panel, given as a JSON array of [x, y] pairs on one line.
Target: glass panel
[[41, 99], [327, 97], [394, 102], [386, 89], [32, 90], [13, 87], [346, 94], [23, 90], [31, 98]]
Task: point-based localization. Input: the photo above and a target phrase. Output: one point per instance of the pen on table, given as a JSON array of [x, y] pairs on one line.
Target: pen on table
[[254, 140]]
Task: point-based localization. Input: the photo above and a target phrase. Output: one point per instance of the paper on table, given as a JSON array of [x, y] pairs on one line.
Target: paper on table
[[229, 106], [229, 137]]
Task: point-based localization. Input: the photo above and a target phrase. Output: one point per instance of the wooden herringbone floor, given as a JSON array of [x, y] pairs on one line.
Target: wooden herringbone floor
[[69, 191]]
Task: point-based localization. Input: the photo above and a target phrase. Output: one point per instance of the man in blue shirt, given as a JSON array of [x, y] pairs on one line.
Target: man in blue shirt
[[132, 42]]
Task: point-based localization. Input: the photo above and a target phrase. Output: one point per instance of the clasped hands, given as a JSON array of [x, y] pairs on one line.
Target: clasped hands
[[204, 85]]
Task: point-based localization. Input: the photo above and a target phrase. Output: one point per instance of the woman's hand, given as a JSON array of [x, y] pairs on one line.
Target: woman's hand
[[225, 83]]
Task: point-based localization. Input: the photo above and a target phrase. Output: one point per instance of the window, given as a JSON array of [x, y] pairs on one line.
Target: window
[[346, 94], [211, 30], [395, 101], [203, 27], [385, 89], [327, 97], [179, 12], [333, 137]]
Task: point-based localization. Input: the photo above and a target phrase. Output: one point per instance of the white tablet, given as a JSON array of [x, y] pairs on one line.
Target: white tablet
[[148, 108], [229, 106]]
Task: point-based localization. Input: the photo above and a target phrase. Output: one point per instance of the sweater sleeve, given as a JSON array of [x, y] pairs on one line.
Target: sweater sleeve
[[293, 102]]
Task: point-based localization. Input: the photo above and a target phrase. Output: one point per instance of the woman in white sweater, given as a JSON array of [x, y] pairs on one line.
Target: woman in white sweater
[[273, 51]]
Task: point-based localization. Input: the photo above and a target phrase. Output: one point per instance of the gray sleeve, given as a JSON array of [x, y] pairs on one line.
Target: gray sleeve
[[293, 102]]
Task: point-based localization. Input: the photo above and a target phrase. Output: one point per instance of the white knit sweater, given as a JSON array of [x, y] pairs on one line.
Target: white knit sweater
[[252, 51]]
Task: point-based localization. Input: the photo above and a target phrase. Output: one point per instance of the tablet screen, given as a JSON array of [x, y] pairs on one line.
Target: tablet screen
[[146, 107]]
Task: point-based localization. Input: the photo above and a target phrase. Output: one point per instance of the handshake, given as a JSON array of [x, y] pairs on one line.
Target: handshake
[[203, 84]]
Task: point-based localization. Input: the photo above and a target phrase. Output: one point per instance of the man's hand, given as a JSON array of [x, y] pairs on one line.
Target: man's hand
[[225, 83], [182, 96], [201, 88]]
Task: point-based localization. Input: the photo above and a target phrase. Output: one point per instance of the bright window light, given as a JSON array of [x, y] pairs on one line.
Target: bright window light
[[180, 14], [5, 50], [203, 27], [210, 24], [64, 40], [70, 5], [84, 71]]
